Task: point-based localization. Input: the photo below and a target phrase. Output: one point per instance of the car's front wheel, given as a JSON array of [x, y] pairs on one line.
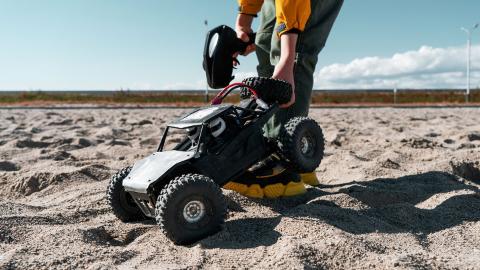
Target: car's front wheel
[[190, 208]]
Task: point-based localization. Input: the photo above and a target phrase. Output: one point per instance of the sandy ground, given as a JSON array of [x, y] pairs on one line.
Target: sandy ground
[[399, 190]]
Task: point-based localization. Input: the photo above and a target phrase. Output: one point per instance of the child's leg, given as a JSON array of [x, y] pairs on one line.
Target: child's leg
[[310, 42]]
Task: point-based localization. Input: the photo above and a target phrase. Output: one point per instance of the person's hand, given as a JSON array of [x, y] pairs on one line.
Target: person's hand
[[241, 34], [284, 70], [250, 48], [243, 27]]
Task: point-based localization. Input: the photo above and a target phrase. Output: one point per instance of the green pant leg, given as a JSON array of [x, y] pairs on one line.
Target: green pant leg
[[310, 42], [264, 38]]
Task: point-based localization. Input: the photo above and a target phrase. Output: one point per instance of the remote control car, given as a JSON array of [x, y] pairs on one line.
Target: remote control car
[[180, 188]]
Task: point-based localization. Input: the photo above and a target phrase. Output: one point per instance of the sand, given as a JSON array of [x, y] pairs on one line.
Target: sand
[[399, 190]]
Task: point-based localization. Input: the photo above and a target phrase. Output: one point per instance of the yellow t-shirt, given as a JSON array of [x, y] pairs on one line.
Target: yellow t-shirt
[[290, 14]]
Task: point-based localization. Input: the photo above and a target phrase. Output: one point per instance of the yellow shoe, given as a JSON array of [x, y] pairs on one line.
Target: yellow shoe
[[237, 187], [284, 184], [294, 189], [274, 191], [310, 179], [255, 191]]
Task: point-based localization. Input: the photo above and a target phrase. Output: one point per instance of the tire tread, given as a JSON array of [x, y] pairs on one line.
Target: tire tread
[[269, 90], [173, 189], [287, 141], [113, 193]]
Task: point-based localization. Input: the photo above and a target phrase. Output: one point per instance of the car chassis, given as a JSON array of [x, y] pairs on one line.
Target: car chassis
[[225, 162], [180, 188]]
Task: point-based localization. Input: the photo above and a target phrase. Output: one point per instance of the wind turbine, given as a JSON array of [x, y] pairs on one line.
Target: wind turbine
[[469, 48]]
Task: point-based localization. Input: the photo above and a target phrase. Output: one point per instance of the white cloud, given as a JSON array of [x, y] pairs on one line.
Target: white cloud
[[427, 67]]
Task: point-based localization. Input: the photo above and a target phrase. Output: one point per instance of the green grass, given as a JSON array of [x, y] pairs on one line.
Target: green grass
[[178, 98], [403, 97]]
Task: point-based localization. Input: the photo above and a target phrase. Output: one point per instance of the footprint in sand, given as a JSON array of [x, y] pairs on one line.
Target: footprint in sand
[[59, 156], [8, 166], [467, 146], [64, 122], [474, 136], [390, 164], [149, 141], [419, 143], [41, 180], [32, 184], [31, 144], [115, 142], [143, 122], [468, 169], [84, 142], [433, 135], [101, 236], [88, 119], [35, 130]]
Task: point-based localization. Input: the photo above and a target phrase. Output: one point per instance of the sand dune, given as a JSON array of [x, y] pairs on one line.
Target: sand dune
[[400, 188]]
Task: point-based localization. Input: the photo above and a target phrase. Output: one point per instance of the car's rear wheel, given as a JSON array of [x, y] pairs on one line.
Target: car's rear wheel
[[121, 202], [268, 89], [301, 142]]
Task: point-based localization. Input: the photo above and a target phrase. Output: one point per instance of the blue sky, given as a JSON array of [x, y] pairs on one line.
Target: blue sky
[[157, 44]]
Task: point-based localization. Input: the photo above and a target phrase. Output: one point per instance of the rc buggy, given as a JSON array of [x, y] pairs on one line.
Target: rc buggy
[[179, 184]]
